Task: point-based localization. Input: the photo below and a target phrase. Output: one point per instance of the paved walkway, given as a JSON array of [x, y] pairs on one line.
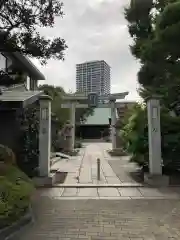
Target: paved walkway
[[127, 193], [84, 169], [104, 220], [96, 213]]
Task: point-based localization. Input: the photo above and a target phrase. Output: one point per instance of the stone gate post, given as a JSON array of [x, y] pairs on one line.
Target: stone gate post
[[72, 123], [113, 123], [154, 131], [45, 136]]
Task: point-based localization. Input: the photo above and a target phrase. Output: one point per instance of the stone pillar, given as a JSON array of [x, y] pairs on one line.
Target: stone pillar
[[113, 124], [45, 136], [72, 123], [154, 129]]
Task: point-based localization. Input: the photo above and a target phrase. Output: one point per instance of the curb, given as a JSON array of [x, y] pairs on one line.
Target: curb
[[111, 186], [97, 186], [8, 233]]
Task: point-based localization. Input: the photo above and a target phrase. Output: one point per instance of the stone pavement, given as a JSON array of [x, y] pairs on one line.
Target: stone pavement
[[103, 219], [111, 193], [122, 167], [124, 170], [100, 213], [84, 166]]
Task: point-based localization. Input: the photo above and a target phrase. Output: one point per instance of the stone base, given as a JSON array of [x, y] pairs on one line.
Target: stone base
[[48, 181], [117, 152], [55, 177], [156, 180]]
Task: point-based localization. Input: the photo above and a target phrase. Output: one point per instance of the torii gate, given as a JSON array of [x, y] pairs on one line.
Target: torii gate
[[72, 101]]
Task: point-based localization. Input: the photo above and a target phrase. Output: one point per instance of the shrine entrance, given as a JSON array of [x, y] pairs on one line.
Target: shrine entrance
[[73, 101]]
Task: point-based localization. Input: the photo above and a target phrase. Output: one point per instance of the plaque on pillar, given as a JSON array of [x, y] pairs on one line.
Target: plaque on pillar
[[93, 99]]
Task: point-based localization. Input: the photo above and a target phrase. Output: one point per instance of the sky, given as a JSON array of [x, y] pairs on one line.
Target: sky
[[93, 30]]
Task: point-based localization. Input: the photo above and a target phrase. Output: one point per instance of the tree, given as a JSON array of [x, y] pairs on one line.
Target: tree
[[154, 26], [63, 114], [20, 22], [134, 134], [83, 113], [56, 93], [151, 24]]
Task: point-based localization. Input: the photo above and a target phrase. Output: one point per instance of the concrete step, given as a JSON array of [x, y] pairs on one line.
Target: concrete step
[[80, 185], [55, 177], [55, 160]]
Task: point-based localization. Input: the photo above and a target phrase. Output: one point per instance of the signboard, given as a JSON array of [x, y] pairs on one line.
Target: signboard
[[93, 99]]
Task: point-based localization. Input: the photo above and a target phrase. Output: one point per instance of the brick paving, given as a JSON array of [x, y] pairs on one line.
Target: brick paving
[[104, 219], [100, 213]]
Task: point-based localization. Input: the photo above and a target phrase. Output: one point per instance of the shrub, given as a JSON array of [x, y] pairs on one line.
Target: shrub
[[135, 138], [16, 190], [135, 135], [28, 154], [170, 128], [7, 155]]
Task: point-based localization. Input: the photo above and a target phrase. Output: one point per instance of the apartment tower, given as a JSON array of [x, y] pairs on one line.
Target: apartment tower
[[93, 76]]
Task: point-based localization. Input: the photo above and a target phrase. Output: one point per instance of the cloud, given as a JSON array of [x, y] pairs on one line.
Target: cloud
[[94, 30]]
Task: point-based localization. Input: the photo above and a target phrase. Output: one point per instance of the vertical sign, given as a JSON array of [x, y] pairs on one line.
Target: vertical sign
[[93, 100]]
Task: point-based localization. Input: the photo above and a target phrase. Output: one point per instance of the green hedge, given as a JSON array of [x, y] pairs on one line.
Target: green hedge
[[15, 194], [135, 137]]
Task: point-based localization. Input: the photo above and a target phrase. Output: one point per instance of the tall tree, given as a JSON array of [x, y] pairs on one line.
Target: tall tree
[[152, 25], [83, 113], [56, 93], [20, 23], [61, 113]]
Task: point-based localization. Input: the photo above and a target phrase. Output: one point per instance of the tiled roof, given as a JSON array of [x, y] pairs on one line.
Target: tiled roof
[[20, 96], [100, 117], [15, 87], [18, 99]]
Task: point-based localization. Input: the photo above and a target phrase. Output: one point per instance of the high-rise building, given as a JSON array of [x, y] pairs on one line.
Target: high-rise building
[[93, 76]]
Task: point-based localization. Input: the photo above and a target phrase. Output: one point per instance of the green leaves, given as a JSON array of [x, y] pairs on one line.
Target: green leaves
[[56, 93], [20, 21], [156, 35], [169, 16], [135, 135], [16, 191]]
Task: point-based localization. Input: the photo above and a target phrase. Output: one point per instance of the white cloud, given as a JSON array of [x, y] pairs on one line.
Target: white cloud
[[94, 30]]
